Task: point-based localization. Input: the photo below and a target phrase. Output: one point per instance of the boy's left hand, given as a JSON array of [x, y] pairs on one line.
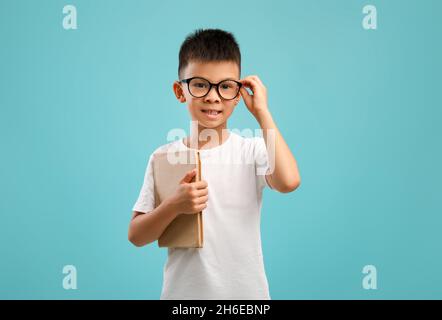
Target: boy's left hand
[[257, 102]]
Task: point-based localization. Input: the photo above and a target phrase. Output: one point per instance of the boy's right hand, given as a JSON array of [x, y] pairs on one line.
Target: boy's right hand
[[190, 197]]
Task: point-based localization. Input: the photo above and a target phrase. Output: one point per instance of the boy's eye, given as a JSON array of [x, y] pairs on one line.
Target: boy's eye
[[200, 85], [229, 86]]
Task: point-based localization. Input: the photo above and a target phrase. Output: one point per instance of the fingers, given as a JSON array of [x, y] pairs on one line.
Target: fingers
[[200, 207], [201, 200], [188, 177], [246, 96], [199, 184], [201, 192], [248, 83], [252, 82], [257, 79]]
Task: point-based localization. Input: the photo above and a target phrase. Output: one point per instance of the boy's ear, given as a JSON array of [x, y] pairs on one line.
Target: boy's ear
[[178, 91]]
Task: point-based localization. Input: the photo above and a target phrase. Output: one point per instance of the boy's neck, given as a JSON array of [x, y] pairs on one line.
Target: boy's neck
[[205, 140]]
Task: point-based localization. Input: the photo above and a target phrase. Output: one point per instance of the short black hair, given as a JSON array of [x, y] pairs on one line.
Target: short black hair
[[207, 45]]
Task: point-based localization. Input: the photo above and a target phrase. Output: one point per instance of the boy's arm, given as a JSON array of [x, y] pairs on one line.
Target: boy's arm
[[285, 176], [190, 197], [147, 228]]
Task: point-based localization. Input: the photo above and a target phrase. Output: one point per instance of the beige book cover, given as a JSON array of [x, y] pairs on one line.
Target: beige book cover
[[169, 168]]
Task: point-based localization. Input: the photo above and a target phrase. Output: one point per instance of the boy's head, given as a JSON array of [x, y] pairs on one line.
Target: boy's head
[[209, 56]]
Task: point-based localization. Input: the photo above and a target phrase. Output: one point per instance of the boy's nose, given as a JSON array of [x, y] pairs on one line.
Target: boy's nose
[[212, 95]]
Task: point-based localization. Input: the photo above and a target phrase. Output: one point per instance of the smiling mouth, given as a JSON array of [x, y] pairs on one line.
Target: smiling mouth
[[211, 112]]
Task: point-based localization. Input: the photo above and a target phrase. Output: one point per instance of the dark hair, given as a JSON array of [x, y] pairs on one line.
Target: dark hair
[[207, 45]]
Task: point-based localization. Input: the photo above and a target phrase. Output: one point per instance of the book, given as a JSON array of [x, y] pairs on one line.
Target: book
[[169, 168]]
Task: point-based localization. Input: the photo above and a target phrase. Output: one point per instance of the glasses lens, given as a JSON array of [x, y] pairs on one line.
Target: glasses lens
[[228, 89], [199, 87]]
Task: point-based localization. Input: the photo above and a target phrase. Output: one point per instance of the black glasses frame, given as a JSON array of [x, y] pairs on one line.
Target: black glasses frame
[[216, 85]]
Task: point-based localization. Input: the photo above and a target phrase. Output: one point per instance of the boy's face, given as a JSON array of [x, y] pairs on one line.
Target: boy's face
[[214, 72]]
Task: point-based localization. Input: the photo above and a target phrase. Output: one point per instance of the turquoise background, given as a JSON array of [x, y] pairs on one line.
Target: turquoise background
[[82, 110]]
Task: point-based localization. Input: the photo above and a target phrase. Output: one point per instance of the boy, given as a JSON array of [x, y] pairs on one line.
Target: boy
[[230, 264]]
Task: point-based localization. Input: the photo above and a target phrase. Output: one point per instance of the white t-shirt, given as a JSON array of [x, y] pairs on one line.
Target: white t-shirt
[[230, 264]]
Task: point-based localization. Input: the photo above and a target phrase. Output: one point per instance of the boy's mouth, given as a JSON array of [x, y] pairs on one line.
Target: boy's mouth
[[211, 112]]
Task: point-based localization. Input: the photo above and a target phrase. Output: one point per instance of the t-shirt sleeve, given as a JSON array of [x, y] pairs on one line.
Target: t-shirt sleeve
[[146, 199], [261, 162]]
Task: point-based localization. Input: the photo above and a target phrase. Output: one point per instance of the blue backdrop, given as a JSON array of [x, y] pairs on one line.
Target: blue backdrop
[[82, 110]]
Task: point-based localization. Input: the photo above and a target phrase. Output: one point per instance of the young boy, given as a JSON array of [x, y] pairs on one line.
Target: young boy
[[230, 264]]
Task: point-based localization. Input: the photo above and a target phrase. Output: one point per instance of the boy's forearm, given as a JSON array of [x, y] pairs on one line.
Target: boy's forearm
[[147, 228], [285, 176]]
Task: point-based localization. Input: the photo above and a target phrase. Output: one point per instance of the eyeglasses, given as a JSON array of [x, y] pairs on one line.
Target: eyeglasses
[[200, 87]]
